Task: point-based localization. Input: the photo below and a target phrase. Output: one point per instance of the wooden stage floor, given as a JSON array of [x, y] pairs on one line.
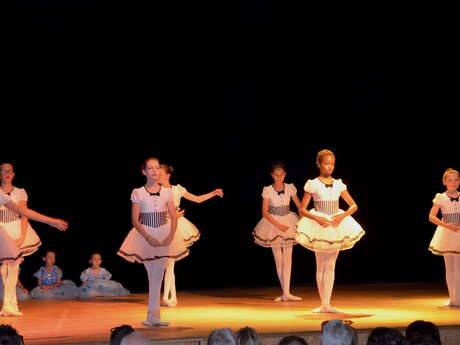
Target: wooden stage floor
[[199, 312]]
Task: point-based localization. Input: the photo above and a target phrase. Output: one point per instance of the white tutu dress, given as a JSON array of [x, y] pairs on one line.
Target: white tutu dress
[[11, 222], [185, 228], [445, 241], [154, 217], [268, 235], [317, 238], [9, 251]]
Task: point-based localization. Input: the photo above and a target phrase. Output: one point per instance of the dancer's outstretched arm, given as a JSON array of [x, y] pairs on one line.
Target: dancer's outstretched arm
[[201, 198], [27, 212]]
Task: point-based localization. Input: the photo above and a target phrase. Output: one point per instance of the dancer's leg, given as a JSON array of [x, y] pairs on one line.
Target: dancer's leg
[[10, 272], [449, 261], [325, 275], [278, 255], [169, 282], [155, 272], [286, 275]]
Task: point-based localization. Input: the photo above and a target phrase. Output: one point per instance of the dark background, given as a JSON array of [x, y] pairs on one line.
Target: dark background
[[93, 89]]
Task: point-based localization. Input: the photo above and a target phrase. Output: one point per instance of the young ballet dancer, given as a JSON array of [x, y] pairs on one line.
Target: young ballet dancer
[[185, 229], [97, 283], [276, 229], [10, 253], [326, 229], [50, 283], [14, 224], [446, 239], [152, 240]]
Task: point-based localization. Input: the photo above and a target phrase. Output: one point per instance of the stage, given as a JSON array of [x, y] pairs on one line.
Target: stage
[[198, 312]]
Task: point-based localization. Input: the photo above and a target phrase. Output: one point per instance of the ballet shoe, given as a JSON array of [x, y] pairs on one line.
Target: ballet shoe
[[293, 298], [172, 303], [450, 304], [164, 303], [9, 312], [151, 323], [327, 309]]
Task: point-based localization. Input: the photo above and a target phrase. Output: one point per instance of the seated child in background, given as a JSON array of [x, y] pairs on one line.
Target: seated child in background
[[50, 285], [97, 283]]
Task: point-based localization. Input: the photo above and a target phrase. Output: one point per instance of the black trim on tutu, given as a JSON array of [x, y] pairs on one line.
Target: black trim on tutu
[[11, 258], [348, 239], [32, 248], [286, 240], [443, 252], [192, 238], [137, 258]]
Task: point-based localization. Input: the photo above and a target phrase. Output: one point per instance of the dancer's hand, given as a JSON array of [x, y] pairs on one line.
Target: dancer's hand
[[324, 222], [283, 227], [219, 192], [180, 213], [337, 219], [25, 290], [59, 224], [166, 241], [153, 241]]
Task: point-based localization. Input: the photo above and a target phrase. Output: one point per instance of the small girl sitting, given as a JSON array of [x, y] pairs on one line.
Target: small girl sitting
[[97, 283], [50, 285]]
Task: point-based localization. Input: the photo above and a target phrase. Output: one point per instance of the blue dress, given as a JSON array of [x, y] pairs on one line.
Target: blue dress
[[67, 289], [100, 285]]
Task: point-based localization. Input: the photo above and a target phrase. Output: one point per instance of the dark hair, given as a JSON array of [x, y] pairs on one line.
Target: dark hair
[[293, 340], [9, 336], [277, 165], [118, 333], [45, 253], [222, 336], [167, 168], [96, 253], [247, 336], [423, 330], [386, 336], [144, 163]]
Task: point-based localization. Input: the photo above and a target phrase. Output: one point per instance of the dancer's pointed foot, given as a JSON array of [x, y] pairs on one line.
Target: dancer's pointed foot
[[10, 312], [327, 309], [164, 302], [172, 303], [151, 323], [293, 298], [450, 304]]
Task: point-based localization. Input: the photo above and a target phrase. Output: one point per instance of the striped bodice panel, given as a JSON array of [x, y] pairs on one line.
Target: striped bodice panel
[[279, 210], [7, 216], [329, 207], [153, 219], [451, 218]]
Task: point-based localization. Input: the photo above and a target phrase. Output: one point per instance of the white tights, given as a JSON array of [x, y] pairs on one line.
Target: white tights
[[325, 275], [453, 278], [10, 272], [170, 282], [155, 271], [283, 261]]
